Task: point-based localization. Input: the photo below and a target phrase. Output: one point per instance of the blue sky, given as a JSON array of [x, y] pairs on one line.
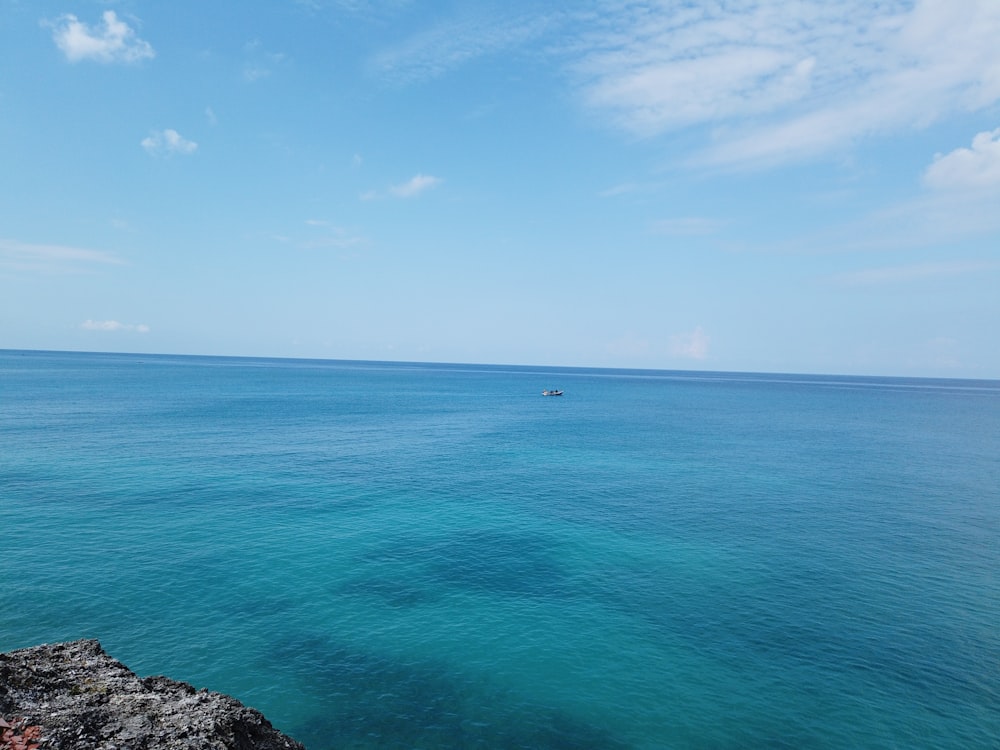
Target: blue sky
[[758, 185]]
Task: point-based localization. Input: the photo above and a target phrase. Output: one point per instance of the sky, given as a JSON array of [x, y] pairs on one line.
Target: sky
[[736, 185]]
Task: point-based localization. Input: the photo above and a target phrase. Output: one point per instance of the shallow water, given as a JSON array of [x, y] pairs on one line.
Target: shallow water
[[435, 556]]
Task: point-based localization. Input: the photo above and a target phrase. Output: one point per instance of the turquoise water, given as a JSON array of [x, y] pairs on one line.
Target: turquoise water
[[435, 556]]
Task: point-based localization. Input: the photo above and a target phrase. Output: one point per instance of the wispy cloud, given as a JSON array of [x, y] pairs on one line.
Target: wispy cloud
[[260, 63], [415, 186], [325, 234], [26, 256], [110, 41], [943, 352], [915, 271], [113, 326], [934, 218], [976, 167], [169, 141], [253, 72], [690, 345], [687, 226], [321, 234], [378, 10], [768, 80], [624, 188], [419, 183], [456, 40], [777, 80]]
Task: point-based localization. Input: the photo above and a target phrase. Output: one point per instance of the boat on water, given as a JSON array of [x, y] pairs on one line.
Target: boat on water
[[552, 393]]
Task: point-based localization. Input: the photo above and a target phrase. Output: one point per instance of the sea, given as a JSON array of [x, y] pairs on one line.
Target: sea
[[405, 555]]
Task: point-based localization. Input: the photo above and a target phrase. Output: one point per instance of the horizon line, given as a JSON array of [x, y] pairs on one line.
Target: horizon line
[[604, 368]]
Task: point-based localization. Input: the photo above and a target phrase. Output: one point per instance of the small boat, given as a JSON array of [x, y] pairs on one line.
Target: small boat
[[552, 393]]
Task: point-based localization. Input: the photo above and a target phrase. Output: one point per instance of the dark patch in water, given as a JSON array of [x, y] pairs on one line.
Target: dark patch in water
[[258, 605], [391, 592], [501, 562], [376, 701]]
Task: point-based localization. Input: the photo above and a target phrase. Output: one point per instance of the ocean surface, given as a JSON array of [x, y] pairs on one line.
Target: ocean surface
[[387, 555]]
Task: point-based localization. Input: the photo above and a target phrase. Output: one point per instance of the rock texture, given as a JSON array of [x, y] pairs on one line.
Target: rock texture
[[73, 695]]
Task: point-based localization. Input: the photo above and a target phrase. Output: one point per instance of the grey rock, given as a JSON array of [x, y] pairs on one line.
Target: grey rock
[[81, 698]]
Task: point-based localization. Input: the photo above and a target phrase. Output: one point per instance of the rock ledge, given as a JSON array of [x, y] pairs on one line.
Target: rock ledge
[[81, 698]]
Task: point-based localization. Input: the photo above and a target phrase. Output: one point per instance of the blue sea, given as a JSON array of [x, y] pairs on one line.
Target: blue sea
[[387, 555]]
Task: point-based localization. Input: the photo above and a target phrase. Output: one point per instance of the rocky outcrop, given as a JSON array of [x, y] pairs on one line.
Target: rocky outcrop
[[73, 695]]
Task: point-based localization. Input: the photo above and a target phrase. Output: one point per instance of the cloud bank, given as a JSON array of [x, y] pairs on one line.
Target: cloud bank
[[111, 41]]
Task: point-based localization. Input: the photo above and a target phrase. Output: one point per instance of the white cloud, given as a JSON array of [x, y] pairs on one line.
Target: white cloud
[[114, 326], [976, 167], [414, 186], [692, 345], [779, 80], [168, 141], [111, 41]]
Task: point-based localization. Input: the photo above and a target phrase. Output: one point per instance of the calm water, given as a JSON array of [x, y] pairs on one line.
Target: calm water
[[436, 556]]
